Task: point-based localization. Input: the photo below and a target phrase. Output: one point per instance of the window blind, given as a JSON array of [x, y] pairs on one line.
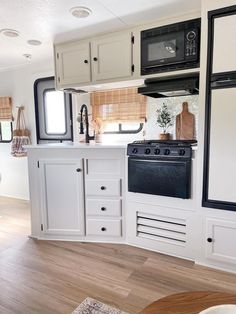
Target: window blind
[[5, 109], [118, 105]]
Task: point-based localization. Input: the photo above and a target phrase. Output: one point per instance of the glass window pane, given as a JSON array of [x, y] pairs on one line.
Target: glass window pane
[[111, 127], [130, 126], [55, 115], [6, 131]]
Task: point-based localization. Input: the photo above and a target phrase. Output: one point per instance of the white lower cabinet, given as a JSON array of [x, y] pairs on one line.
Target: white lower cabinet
[[104, 227], [220, 240], [62, 197], [103, 190]]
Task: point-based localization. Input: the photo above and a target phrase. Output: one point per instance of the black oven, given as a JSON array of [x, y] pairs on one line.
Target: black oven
[[170, 47], [160, 169]]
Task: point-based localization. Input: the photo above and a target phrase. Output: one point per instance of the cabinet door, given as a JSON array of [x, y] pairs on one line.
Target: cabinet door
[[221, 236], [73, 64], [224, 43], [222, 170], [62, 197], [112, 56]]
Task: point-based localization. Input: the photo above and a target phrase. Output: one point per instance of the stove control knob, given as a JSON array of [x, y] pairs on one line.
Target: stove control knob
[[147, 151], [167, 151], [181, 152], [157, 151], [135, 150]]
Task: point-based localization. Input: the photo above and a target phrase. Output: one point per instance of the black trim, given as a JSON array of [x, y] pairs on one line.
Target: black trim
[[214, 81], [126, 131], [37, 115]]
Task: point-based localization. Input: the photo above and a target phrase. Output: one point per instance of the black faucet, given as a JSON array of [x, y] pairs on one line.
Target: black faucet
[[87, 136]]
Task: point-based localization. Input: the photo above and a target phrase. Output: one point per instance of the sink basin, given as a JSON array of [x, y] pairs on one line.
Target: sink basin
[[220, 309]]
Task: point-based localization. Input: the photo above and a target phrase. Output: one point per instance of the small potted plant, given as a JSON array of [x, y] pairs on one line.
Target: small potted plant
[[164, 120], [98, 129]]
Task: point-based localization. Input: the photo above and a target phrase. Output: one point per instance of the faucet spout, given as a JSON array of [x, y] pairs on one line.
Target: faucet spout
[[84, 110]]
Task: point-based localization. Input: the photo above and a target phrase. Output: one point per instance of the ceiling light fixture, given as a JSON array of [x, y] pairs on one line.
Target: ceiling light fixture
[[10, 32], [34, 42], [80, 12]]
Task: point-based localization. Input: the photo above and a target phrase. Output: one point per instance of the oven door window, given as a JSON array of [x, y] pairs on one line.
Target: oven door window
[[159, 177], [163, 49]]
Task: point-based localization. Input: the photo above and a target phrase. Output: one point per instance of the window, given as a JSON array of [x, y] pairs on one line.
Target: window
[[5, 119], [53, 112], [5, 131], [119, 110], [122, 128]]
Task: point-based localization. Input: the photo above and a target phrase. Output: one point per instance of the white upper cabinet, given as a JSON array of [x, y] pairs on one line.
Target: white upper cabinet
[[73, 63], [112, 56], [111, 59], [224, 59]]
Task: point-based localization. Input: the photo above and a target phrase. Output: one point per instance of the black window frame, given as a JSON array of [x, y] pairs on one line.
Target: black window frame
[[37, 119], [1, 141], [126, 131]]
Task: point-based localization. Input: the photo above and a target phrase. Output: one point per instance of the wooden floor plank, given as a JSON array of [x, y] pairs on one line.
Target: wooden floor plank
[[45, 277]]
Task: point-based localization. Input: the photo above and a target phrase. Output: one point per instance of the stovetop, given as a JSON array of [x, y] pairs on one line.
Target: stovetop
[[161, 149], [166, 143]]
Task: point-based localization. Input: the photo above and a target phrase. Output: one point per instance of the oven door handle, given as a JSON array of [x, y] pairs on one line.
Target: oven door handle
[[159, 160]]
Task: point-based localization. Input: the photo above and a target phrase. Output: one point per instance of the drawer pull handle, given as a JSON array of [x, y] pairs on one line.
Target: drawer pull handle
[[103, 188], [85, 61], [103, 208], [95, 59], [103, 229], [78, 169], [209, 240]]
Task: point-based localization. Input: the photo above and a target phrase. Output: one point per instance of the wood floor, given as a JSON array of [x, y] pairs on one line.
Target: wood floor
[[54, 277]]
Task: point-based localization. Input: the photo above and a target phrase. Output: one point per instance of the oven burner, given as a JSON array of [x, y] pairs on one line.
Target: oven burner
[[161, 149]]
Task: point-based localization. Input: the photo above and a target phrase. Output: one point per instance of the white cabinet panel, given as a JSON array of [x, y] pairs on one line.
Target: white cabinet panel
[[103, 207], [222, 171], [222, 235], [111, 56], [103, 187], [103, 227], [73, 63], [103, 166], [62, 197], [224, 44]]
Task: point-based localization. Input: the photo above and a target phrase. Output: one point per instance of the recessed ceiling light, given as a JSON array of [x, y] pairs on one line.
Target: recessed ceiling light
[[27, 56], [34, 42], [80, 12], [10, 32]]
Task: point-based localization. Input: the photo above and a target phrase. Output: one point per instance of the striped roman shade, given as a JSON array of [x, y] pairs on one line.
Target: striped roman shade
[[118, 105], [5, 109]]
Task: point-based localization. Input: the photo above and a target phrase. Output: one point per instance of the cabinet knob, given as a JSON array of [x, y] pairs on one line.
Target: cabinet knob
[[103, 208], [78, 169], [103, 188], [95, 59], [103, 229], [209, 240], [85, 61]]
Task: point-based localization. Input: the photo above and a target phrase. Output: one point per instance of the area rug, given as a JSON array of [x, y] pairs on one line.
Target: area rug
[[91, 306]]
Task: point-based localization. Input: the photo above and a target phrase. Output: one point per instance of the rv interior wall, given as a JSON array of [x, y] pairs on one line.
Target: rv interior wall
[[18, 84]]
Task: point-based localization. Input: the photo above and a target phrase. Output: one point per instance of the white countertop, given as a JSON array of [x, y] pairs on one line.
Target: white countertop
[[77, 145]]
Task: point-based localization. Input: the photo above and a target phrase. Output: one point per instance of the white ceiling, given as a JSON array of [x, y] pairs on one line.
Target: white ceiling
[[50, 20]]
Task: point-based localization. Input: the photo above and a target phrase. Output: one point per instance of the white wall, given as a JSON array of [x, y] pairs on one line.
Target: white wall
[[19, 85]]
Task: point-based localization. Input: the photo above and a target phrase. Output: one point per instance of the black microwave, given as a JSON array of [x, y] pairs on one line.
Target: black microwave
[[171, 47]]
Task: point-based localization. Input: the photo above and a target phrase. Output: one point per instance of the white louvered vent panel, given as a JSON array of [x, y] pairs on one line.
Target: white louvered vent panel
[[160, 228]]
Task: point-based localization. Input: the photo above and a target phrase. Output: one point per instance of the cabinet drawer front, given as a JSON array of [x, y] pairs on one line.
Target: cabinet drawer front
[[103, 207], [103, 187], [104, 227]]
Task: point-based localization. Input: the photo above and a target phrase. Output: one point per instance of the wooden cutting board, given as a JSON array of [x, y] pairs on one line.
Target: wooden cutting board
[[185, 124]]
